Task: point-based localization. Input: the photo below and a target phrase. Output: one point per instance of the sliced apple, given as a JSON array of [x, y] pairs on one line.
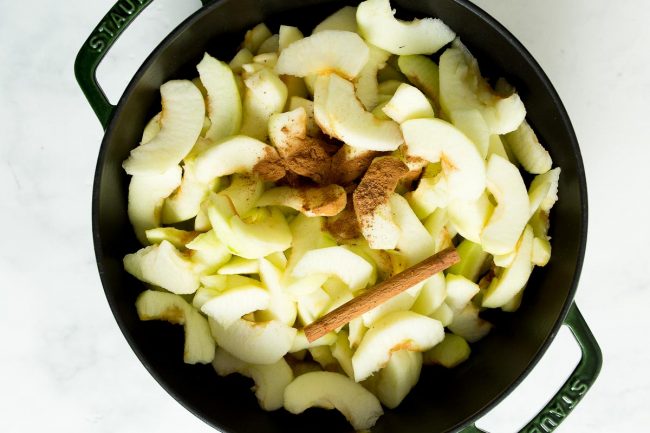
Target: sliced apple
[[438, 141], [151, 129], [513, 279], [444, 314], [431, 296], [269, 233], [471, 123], [323, 52], [147, 193], [467, 324], [199, 344], [238, 154], [181, 122], [509, 218], [224, 103], [240, 265], [414, 242], [256, 36], [473, 260], [349, 163], [400, 375], [321, 90], [335, 261], [388, 88], [287, 36], [301, 342], [528, 150], [244, 192], [421, 36], [544, 182], [265, 95], [371, 202], [436, 225], [408, 103], [243, 57], [449, 353], [281, 307], [463, 88], [178, 238], [311, 201], [356, 330], [333, 391], [460, 291], [422, 72], [254, 342], [313, 130], [431, 192], [230, 305], [323, 356], [286, 127], [400, 302], [311, 305], [270, 380], [343, 19], [308, 233], [208, 253], [185, 202], [355, 126], [163, 266], [397, 331], [497, 146], [470, 217], [270, 45], [541, 253], [366, 83], [342, 352]]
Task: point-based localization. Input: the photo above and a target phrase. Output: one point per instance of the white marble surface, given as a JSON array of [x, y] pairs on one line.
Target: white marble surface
[[64, 365]]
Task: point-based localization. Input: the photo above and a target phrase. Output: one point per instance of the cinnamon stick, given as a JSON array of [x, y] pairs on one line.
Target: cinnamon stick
[[381, 293]]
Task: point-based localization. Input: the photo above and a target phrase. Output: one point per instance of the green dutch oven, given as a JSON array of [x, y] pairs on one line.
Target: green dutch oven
[[443, 400]]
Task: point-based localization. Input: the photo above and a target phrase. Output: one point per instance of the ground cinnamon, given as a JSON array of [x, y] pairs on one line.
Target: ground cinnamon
[[271, 167]]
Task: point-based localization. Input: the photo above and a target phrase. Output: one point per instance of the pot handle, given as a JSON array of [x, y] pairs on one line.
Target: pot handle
[[575, 387], [95, 48]]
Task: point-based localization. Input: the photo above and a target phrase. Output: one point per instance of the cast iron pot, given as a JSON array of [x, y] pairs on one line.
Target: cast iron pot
[[443, 400]]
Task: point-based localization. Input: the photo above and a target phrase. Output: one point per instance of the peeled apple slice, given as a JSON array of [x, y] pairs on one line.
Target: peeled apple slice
[[352, 124], [467, 324], [301, 342], [414, 242], [438, 141], [323, 52], [312, 201], [239, 265], [244, 192], [513, 279], [254, 342], [308, 233], [333, 391], [321, 90], [344, 19], [528, 150], [472, 124], [509, 218], [422, 72], [313, 130], [270, 45], [400, 375], [450, 352], [287, 36], [408, 103], [460, 291], [230, 305], [470, 217], [238, 154], [208, 253], [366, 83], [266, 94], [342, 352], [181, 122], [431, 296], [463, 88], [178, 238], [338, 261], [543, 190], [472, 260], [199, 344], [147, 193], [421, 36], [270, 380], [281, 307], [224, 102], [185, 202], [162, 265], [396, 331]]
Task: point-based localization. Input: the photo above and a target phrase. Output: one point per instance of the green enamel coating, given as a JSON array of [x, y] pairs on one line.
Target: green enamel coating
[[575, 387]]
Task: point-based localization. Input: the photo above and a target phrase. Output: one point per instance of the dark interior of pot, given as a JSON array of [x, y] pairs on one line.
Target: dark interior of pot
[[443, 400]]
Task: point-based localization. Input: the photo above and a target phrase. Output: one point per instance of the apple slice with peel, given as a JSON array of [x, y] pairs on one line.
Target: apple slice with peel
[[513, 279], [265, 95], [438, 141], [181, 122], [366, 83], [352, 124], [470, 217], [460, 291], [238, 154], [467, 324], [400, 375], [333, 391], [224, 103], [463, 88], [343, 19], [473, 261], [270, 380], [414, 242], [408, 103], [528, 150], [323, 52], [230, 305], [199, 344], [207, 253], [254, 342], [449, 353], [509, 218], [163, 266], [268, 233], [421, 36], [339, 262], [431, 296], [147, 193], [372, 202], [313, 201], [396, 331], [422, 72]]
